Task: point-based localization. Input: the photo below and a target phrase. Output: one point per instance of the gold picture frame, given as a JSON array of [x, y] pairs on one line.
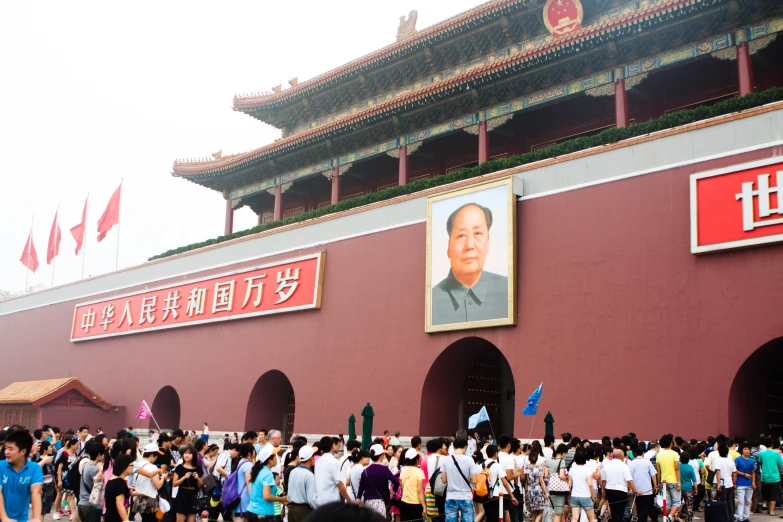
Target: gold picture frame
[[447, 298]]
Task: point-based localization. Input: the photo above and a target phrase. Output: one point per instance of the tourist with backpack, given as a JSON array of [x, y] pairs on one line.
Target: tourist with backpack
[[456, 474], [434, 488], [236, 496], [65, 488], [488, 481]]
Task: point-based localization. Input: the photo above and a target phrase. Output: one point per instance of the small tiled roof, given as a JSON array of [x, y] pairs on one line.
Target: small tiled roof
[[32, 392], [527, 56], [250, 101]]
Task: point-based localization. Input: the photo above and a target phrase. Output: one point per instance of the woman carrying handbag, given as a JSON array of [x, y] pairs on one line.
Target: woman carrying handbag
[[149, 479], [559, 484]]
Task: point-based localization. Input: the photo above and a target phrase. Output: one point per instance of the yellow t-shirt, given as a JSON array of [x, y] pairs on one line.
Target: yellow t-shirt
[[410, 477], [667, 459], [733, 454]]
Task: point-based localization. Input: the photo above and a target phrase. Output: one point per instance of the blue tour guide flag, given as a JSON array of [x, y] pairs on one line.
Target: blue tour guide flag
[[475, 420], [532, 401]]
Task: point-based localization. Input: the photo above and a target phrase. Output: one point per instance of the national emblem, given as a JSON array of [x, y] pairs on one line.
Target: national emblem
[[563, 16]]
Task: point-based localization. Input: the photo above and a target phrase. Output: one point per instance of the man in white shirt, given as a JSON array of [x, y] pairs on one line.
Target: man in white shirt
[[345, 465], [395, 441], [549, 446], [328, 485], [223, 464], [472, 445], [616, 480], [652, 449], [499, 479], [723, 482]]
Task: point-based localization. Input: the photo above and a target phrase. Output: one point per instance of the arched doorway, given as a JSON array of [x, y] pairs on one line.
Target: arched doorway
[[756, 396], [272, 404], [165, 408], [469, 374]]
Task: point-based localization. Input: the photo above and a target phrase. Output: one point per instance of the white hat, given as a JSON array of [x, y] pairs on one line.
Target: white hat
[[266, 452], [306, 453], [411, 454], [376, 449], [151, 448]]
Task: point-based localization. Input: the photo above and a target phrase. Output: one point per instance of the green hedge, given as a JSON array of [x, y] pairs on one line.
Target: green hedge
[[604, 137]]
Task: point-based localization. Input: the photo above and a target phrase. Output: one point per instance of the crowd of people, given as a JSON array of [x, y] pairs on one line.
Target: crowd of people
[[179, 476]]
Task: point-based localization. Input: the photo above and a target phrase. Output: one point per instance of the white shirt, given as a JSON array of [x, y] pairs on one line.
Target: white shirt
[[345, 466], [431, 467], [580, 475], [505, 462], [494, 476], [206, 431], [144, 484], [471, 447], [519, 460], [327, 475], [593, 465], [650, 454], [616, 474], [547, 452], [726, 467], [224, 461], [355, 473], [711, 458], [456, 487]]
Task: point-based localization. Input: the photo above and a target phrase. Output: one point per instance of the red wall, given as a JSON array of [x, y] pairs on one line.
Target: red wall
[[627, 329]]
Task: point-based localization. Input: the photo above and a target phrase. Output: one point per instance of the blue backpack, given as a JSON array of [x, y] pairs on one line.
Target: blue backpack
[[231, 497]]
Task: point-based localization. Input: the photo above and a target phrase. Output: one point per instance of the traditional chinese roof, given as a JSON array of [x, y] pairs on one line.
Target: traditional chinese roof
[[531, 56], [448, 28], [38, 393]]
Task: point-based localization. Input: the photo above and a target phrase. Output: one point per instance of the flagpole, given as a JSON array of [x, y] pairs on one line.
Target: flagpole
[[29, 250], [84, 232], [530, 435], [119, 224], [56, 227]]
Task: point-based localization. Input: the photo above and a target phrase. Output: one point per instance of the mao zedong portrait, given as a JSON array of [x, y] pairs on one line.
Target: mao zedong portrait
[[469, 293]]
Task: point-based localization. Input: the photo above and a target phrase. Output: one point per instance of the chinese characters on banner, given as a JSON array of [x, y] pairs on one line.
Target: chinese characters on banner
[[285, 286], [737, 206]]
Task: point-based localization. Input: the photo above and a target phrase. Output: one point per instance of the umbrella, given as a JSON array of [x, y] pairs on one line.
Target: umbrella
[[549, 421], [368, 414], [351, 427]]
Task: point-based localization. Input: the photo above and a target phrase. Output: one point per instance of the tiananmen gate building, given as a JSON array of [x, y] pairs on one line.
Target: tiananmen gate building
[[621, 160]]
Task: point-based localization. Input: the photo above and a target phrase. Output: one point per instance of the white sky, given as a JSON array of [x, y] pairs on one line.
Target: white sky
[[91, 92]]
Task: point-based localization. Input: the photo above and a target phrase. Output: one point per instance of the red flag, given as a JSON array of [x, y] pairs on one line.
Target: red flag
[[29, 256], [78, 231], [111, 216], [55, 235]]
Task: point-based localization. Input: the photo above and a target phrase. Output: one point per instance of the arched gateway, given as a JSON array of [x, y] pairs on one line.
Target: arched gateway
[[272, 404], [166, 409], [469, 374], [756, 396]]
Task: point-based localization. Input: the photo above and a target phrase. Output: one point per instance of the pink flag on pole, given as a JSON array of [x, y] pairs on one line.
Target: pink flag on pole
[[144, 411]]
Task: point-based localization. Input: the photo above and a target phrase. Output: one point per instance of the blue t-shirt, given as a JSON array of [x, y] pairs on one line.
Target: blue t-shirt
[[16, 488], [258, 505], [245, 465], [687, 477], [744, 466]]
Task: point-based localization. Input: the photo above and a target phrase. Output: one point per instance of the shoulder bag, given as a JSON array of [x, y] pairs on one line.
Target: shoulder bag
[[556, 483]]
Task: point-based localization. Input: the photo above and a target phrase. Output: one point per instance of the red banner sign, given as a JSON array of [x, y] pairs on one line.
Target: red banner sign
[[286, 286], [737, 206]]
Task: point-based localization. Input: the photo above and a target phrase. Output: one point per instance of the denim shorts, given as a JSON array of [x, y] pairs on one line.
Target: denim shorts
[[673, 495], [582, 502]]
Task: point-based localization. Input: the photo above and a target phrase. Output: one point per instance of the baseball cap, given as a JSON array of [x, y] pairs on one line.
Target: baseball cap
[[151, 448], [411, 454], [306, 453], [376, 449], [266, 452]]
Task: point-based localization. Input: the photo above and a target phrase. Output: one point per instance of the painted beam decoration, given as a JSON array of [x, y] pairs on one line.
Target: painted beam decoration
[[737, 207], [284, 286]]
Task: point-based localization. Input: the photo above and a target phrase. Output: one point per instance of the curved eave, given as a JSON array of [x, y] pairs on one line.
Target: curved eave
[[595, 34], [439, 32]]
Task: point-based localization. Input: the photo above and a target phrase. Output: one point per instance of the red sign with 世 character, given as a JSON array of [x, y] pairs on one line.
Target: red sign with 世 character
[[736, 207], [285, 286]]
